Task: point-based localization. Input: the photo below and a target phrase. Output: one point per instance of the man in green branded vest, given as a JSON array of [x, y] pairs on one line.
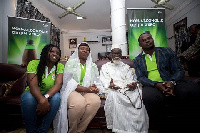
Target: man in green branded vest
[[161, 75]]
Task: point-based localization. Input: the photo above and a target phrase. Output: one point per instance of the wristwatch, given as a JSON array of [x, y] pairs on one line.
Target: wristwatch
[[46, 96], [173, 82]]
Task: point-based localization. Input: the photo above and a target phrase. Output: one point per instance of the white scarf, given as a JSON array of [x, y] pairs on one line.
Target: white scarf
[[70, 81]]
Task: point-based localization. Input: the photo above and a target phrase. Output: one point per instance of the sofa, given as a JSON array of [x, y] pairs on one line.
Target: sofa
[[12, 84]]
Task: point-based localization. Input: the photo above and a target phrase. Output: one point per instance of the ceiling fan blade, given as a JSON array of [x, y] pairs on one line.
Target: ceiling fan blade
[[155, 1], [168, 6], [63, 14], [78, 4], [58, 4], [155, 6], [77, 14]]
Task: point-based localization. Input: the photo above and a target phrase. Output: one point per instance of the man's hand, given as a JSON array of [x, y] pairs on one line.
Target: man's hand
[[170, 87], [113, 86], [161, 87], [43, 106], [132, 86], [166, 87]]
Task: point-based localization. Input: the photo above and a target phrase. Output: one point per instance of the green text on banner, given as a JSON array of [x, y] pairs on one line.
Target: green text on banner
[[141, 20], [26, 35]]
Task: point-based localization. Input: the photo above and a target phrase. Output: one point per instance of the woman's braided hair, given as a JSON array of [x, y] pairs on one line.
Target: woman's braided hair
[[44, 57]]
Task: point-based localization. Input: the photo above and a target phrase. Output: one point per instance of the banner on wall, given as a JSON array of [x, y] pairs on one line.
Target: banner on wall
[[26, 38], [141, 20]]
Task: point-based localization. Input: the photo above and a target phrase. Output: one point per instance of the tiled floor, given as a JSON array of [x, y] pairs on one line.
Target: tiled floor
[[22, 130]]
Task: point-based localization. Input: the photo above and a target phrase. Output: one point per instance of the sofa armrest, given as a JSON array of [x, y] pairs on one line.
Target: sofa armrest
[[19, 86], [12, 79]]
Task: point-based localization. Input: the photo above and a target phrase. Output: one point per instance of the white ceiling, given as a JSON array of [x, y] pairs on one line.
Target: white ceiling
[[96, 11]]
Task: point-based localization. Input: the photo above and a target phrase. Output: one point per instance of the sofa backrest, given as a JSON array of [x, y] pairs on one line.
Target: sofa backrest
[[11, 72], [102, 61], [63, 62], [99, 63]]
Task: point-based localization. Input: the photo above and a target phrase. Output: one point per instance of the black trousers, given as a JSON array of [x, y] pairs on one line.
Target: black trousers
[[194, 67], [185, 106]]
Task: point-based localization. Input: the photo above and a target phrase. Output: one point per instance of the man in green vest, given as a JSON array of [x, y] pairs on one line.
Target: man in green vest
[[161, 75]]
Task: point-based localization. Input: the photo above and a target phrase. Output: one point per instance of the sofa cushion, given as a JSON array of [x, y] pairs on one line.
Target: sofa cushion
[[10, 100]]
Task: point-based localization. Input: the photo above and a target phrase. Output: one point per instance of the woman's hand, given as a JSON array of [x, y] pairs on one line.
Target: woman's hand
[[93, 89], [43, 106]]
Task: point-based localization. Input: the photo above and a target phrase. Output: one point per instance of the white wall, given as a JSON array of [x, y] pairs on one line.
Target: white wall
[[7, 8], [95, 47], [189, 9]]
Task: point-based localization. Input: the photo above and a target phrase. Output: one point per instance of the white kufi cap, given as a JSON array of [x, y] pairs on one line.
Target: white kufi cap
[[116, 46]]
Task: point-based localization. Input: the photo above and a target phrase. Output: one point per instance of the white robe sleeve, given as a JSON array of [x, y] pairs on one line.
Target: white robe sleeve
[[96, 79], [130, 77], [105, 77]]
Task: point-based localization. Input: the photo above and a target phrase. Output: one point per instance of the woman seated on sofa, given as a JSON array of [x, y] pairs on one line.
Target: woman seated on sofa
[[79, 99], [41, 97]]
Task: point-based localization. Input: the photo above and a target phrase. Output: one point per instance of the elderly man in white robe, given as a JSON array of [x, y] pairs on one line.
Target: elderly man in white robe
[[124, 109]]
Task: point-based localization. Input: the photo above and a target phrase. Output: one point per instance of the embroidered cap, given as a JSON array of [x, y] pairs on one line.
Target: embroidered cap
[[116, 46]]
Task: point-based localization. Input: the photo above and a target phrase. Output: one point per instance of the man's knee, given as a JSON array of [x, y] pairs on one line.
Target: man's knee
[[152, 95]]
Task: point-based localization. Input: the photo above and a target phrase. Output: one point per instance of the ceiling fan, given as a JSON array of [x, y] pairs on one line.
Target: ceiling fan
[[69, 10], [162, 3]]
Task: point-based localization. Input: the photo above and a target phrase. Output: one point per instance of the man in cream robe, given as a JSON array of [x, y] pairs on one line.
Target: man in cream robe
[[125, 112]]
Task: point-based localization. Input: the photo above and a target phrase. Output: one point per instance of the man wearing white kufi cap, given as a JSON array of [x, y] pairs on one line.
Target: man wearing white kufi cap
[[124, 109], [116, 46]]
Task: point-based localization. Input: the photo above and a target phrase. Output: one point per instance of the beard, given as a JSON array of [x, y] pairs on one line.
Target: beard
[[116, 60]]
